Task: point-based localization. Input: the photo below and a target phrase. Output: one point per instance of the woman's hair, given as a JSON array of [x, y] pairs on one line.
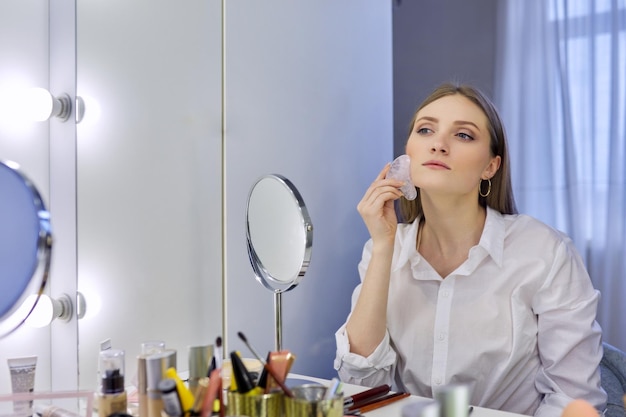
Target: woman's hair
[[501, 196]]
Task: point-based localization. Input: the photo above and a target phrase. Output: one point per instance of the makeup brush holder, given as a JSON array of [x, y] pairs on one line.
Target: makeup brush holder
[[308, 401], [263, 405]]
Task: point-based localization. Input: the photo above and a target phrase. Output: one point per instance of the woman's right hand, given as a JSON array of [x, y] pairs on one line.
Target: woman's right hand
[[377, 207]]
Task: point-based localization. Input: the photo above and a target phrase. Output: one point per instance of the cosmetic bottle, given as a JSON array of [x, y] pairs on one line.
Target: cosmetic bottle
[[112, 395], [453, 400], [147, 349], [156, 367], [172, 404], [22, 381], [199, 362]]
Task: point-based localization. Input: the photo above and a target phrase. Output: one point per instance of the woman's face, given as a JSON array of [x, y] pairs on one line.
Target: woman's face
[[449, 147]]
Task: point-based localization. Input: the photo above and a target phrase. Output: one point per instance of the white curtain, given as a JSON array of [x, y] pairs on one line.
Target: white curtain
[[561, 90]]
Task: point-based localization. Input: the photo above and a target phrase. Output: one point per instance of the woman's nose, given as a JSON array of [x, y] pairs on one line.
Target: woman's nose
[[439, 146]]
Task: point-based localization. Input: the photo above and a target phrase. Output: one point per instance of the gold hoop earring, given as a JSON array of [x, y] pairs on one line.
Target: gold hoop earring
[[480, 188]]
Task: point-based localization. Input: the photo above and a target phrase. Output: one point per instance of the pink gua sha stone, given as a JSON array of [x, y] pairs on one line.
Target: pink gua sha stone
[[400, 169]]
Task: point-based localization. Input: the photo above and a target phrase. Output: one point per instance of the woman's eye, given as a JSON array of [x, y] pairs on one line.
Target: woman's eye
[[423, 130], [465, 136]]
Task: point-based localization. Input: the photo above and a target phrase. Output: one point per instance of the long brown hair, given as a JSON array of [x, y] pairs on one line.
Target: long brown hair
[[501, 196]]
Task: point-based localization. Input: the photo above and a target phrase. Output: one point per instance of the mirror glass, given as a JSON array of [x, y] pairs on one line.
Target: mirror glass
[[279, 233], [25, 247], [148, 178]]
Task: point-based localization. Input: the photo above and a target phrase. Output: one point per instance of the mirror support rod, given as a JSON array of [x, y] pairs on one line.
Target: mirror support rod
[[278, 313]]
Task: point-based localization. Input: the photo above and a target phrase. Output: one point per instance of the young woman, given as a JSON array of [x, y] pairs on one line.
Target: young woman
[[466, 290]]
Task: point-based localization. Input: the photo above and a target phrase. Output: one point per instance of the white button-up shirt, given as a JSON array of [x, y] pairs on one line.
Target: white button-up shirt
[[515, 321]]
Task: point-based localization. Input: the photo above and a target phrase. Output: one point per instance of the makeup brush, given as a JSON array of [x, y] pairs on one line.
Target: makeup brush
[[218, 352], [266, 366]]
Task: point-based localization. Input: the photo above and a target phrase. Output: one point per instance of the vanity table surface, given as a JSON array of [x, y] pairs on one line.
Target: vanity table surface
[[394, 409]]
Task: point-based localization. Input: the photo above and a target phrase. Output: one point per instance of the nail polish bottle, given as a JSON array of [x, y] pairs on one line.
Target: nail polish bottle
[[112, 396]]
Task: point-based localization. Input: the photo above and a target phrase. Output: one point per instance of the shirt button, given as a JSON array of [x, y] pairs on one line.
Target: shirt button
[[445, 294], [438, 381], [442, 336]]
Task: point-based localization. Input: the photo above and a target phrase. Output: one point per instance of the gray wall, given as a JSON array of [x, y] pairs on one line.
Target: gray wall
[[444, 40], [308, 95]]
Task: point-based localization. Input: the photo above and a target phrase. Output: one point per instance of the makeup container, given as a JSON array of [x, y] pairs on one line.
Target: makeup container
[[112, 396], [453, 400], [22, 381], [200, 358], [142, 386], [261, 405], [309, 401], [171, 400], [148, 348], [199, 394], [156, 367], [184, 394]]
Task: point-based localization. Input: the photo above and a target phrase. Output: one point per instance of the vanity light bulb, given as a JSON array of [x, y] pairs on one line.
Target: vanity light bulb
[[47, 309], [43, 313], [39, 105]]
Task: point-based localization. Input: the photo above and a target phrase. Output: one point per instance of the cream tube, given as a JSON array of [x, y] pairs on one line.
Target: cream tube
[[54, 411], [22, 381]]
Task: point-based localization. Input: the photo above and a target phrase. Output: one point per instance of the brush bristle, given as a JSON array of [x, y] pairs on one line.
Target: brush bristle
[[242, 337], [218, 341]]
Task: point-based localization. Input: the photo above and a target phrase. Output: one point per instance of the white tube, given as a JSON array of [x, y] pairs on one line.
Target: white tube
[[22, 381], [54, 411]]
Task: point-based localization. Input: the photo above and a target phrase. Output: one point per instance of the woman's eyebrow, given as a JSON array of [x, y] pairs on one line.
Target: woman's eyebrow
[[466, 122], [457, 122], [428, 118]]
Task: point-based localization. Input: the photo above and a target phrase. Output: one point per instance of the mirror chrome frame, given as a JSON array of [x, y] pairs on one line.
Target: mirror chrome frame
[[17, 314], [264, 276]]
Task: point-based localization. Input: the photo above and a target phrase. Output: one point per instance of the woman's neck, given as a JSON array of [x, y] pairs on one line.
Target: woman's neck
[[451, 229]]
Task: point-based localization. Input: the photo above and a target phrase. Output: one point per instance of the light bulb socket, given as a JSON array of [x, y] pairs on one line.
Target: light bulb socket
[[62, 307], [62, 107]]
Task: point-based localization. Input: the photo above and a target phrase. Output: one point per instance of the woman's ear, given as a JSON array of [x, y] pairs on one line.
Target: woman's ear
[[493, 167]]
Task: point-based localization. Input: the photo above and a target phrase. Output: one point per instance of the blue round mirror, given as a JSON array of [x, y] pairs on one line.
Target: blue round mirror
[[25, 247], [279, 233]]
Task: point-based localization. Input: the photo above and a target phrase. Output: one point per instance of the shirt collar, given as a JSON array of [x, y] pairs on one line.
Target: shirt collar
[[491, 240]]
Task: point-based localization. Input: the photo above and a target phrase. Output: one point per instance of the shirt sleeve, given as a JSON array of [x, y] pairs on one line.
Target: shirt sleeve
[[376, 369], [569, 338]]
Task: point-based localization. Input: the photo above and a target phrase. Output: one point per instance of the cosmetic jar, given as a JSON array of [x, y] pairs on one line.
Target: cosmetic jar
[[453, 400], [112, 397], [199, 362], [156, 367], [308, 401], [262, 405]]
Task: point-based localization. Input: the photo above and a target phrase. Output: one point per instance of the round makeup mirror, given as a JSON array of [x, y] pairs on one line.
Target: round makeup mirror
[[25, 247], [279, 235]]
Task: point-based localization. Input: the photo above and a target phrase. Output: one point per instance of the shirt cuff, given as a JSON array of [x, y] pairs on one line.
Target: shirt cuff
[[357, 366]]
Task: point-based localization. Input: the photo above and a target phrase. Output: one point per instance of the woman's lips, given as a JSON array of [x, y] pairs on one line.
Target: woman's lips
[[435, 164]]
